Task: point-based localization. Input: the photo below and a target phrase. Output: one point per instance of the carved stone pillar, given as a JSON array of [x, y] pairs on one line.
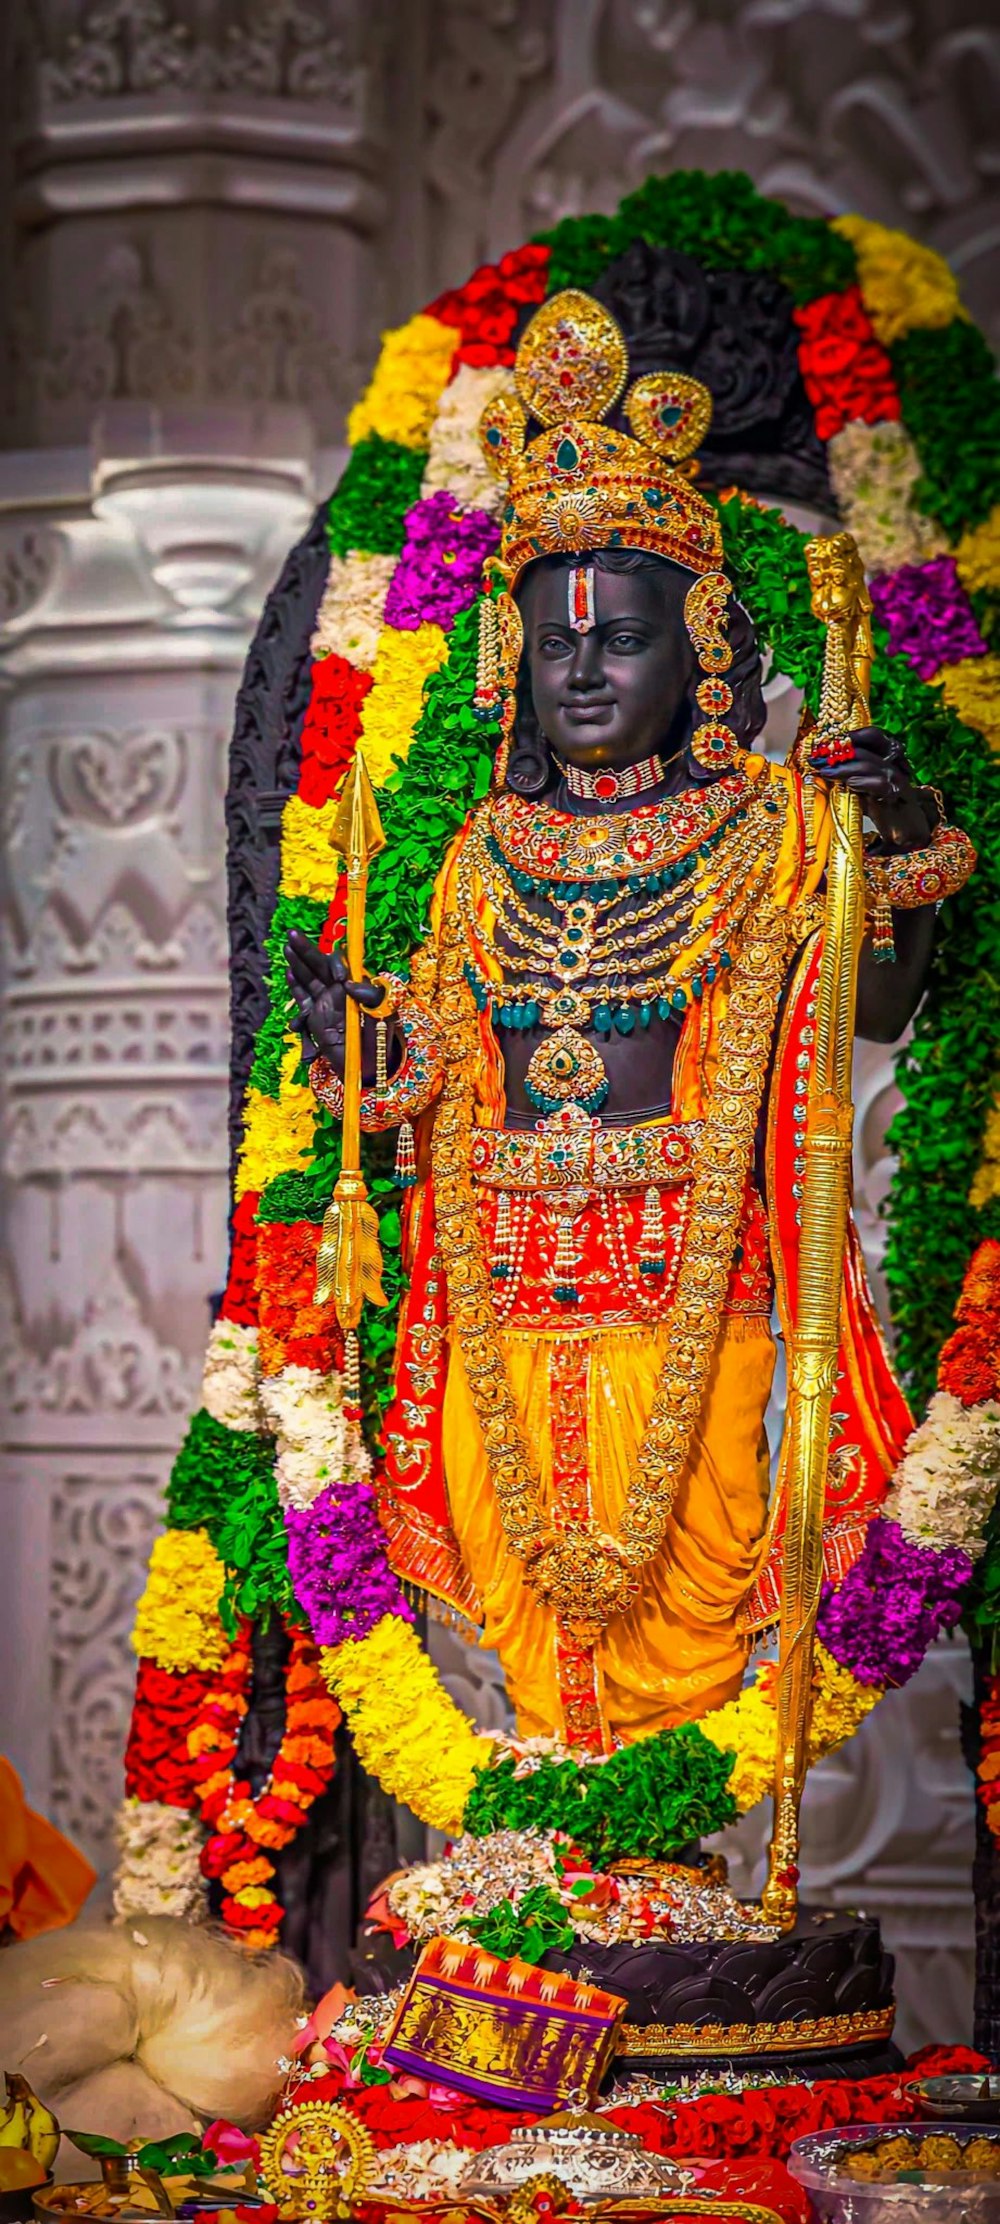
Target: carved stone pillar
[[114, 1019], [194, 189]]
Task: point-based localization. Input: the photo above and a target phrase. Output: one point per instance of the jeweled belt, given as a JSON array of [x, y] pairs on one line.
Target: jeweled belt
[[572, 1151]]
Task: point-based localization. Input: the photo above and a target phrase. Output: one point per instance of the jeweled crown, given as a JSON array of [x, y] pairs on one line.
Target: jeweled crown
[[579, 483]]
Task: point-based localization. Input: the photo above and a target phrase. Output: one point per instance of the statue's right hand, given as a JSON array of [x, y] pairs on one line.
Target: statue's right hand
[[320, 986]]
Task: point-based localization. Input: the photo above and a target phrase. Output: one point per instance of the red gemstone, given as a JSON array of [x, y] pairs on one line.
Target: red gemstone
[[606, 786]]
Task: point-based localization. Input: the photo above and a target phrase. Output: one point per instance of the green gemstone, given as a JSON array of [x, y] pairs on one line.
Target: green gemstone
[[567, 455]]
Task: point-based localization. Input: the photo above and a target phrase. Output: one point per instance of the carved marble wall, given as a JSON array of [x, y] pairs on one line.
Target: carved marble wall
[[208, 208]]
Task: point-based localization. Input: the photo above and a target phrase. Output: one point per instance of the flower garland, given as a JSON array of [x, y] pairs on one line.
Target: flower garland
[[903, 394], [245, 1828]]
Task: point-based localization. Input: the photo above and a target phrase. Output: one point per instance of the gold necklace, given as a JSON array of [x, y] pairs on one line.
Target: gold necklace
[[585, 1575]]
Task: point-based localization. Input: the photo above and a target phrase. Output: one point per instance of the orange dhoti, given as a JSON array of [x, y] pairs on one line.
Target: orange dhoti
[[679, 1650], [583, 1369]]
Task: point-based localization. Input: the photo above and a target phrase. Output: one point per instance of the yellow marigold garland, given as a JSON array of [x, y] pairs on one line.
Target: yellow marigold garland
[[986, 1181], [411, 371], [278, 1134], [903, 283], [978, 554], [177, 1619], [308, 866], [972, 689], [403, 661], [407, 1732]]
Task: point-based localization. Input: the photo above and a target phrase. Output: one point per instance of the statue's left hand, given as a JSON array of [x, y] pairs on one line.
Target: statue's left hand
[[904, 814]]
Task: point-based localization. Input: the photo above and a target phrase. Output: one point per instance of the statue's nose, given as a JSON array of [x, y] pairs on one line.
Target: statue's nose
[[586, 670]]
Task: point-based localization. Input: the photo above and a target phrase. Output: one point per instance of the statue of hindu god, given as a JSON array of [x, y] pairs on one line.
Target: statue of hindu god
[[598, 1068]]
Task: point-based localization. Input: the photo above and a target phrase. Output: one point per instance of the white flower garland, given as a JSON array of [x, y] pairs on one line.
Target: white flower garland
[[349, 618], [455, 461], [947, 1480], [315, 1447], [229, 1384], [159, 1871], [874, 469]]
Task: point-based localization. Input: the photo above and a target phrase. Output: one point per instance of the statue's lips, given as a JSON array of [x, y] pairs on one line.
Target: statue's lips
[[588, 714]]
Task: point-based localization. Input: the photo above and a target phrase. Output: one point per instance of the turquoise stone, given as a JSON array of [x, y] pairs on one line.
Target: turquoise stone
[[567, 455]]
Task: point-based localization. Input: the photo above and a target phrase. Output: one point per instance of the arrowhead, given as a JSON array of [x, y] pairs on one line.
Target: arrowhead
[[357, 829]]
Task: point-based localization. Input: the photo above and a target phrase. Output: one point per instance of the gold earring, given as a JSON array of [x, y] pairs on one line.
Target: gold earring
[[712, 743]]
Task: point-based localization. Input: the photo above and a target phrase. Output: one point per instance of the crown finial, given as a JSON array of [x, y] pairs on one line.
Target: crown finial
[[572, 360]]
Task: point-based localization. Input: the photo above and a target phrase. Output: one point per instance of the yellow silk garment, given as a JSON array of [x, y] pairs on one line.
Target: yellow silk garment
[[680, 1650]]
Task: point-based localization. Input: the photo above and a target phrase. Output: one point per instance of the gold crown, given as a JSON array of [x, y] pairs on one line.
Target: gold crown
[[580, 484]]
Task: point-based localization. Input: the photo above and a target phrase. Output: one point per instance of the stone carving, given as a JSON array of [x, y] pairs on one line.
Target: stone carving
[[277, 350], [271, 48], [127, 347], [117, 780], [118, 945], [263, 765], [736, 334], [133, 1132], [113, 1363], [828, 117], [28, 557], [102, 1528]]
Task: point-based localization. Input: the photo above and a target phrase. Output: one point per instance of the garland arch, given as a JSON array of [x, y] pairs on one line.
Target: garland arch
[[272, 1506]]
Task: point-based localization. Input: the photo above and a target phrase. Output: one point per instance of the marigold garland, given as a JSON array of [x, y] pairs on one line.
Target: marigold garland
[[242, 1825], [403, 662], [404, 392], [903, 283], [406, 1731], [177, 1622]]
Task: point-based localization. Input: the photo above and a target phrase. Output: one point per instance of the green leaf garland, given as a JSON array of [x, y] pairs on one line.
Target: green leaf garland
[[651, 1799], [721, 221], [223, 1482], [950, 397], [379, 483]]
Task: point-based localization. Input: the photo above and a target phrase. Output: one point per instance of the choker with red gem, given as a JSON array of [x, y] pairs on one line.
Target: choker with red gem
[[607, 786]]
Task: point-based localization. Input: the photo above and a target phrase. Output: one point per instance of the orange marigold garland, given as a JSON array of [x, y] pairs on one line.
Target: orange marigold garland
[[246, 1828]]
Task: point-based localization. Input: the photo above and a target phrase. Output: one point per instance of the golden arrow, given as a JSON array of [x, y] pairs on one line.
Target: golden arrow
[[349, 1262]]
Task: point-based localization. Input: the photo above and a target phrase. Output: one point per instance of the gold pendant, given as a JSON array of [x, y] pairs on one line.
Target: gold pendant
[[567, 1070]]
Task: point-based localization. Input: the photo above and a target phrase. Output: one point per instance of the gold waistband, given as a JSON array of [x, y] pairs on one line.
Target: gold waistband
[[657, 2041], [572, 1151]]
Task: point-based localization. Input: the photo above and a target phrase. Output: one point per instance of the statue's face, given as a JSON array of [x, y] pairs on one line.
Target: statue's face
[[613, 695]]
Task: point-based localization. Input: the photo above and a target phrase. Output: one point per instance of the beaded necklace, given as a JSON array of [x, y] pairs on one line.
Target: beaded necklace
[[588, 963]]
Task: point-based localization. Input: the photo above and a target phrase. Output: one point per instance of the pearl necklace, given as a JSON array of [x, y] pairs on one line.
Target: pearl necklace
[[607, 786]]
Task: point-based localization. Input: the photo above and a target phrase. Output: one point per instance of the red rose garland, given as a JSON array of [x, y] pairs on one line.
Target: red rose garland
[[158, 1764], [845, 371], [243, 1826], [487, 307]]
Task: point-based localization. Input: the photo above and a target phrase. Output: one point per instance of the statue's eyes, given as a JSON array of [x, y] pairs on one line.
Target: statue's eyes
[[554, 644], [625, 639]]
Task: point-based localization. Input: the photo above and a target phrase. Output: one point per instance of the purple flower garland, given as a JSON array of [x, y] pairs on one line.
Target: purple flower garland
[[338, 1566], [891, 1605], [927, 614], [439, 572]]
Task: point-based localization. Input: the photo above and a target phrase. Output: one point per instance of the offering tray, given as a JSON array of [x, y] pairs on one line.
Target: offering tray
[[973, 2098], [927, 2181], [595, 2160]]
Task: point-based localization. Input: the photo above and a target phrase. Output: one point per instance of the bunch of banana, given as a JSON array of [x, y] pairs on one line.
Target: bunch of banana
[[29, 2131]]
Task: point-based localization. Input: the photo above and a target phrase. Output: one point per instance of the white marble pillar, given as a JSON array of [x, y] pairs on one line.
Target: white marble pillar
[[130, 583]]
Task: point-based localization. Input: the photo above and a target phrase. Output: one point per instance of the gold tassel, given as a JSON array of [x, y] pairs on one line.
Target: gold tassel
[[652, 1235], [406, 1156]]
